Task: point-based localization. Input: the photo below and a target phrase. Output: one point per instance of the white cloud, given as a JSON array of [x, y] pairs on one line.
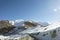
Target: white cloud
[[59, 8], [55, 10]]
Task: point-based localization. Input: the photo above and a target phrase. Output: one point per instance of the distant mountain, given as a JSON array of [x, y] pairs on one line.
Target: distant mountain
[[27, 22], [44, 24]]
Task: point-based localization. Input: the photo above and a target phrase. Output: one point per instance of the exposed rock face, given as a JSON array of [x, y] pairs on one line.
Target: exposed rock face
[[28, 24], [5, 26], [54, 34]]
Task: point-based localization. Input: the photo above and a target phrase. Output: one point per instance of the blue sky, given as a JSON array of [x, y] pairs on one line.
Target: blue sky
[[40, 10]]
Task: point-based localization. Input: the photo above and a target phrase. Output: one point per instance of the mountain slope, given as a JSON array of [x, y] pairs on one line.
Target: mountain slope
[[51, 32]]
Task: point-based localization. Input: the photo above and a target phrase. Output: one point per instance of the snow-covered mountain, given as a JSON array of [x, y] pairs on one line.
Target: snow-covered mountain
[[44, 24], [16, 22], [50, 32], [21, 22], [20, 26], [37, 30]]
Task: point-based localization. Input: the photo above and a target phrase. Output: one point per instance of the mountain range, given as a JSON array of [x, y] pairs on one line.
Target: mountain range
[[36, 30]]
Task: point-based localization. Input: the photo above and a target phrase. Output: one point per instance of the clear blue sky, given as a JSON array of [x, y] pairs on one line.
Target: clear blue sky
[[40, 10]]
